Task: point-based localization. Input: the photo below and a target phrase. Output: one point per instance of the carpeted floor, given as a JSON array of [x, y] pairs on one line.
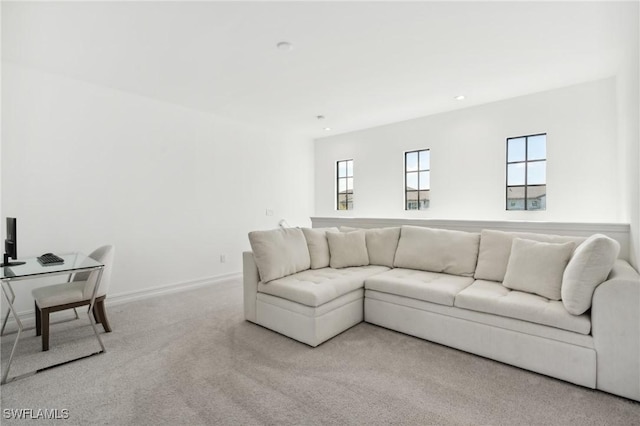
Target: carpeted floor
[[191, 359]]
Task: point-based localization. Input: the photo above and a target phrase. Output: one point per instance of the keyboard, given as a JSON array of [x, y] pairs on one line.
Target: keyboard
[[50, 259]]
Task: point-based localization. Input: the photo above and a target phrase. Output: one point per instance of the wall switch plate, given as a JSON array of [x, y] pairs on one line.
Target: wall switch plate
[[269, 212], [223, 258]]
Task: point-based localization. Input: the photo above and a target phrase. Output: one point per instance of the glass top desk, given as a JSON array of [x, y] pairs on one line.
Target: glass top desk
[[74, 262]]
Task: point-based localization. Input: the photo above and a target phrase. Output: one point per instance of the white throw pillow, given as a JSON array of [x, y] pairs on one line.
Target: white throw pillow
[[318, 246], [347, 249], [279, 252], [590, 265], [381, 244], [495, 248], [437, 250], [536, 267]]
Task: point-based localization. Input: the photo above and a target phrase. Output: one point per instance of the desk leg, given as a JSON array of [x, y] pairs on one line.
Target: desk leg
[[6, 317], [15, 315], [90, 310]]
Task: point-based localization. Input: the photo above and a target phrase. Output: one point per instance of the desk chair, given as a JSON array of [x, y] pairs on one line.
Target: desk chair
[[77, 292]]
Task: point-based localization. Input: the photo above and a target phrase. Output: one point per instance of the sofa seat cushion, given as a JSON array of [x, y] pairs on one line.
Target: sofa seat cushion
[[493, 298], [432, 287], [315, 287]]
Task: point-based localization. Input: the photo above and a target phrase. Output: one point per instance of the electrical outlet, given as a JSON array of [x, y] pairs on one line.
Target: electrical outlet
[[269, 212], [223, 258]]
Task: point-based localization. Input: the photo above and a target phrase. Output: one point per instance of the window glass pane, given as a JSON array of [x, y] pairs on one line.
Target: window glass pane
[[537, 197], [412, 200], [536, 173], [342, 168], [537, 147], [425, 182], [349, 184], [515, 174], [516, 149], [412, 181], [423, 201], [425, 160], [515, 198], [412, 161], [342, 201], [342, 186], [350, 168]]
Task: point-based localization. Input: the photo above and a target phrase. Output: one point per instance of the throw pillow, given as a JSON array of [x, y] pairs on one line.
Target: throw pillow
[[536, 267], [495, 248], [437, 250], [381, 244], [318, 246], [279, 252], [347, 249], [590, 265]]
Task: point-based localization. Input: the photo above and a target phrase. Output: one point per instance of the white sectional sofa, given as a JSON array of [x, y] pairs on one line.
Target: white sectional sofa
[[561, 306]]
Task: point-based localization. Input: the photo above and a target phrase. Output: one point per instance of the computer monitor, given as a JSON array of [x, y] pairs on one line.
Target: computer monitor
[[11, 244]]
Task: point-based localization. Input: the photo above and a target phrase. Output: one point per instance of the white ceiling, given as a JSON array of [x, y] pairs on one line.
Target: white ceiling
[[360, 64]]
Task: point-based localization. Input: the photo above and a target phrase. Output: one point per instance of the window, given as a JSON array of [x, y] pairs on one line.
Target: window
[[345, 185], [417, 179], [527, 172]]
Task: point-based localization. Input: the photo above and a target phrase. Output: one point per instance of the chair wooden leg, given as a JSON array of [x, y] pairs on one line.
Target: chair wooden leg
[[45, 329], [38, 319], [102, 314], [96, 313]]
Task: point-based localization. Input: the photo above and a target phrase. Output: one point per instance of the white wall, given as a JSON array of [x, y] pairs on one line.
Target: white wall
[[468, 159], [172, 188], [629, 130]]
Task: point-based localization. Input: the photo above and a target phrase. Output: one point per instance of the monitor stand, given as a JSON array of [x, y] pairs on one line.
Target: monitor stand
[[7, 263]]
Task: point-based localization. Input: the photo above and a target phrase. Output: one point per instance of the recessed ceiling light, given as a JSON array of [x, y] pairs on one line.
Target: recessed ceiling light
[[459, 97], [284, 46], [327, 128]]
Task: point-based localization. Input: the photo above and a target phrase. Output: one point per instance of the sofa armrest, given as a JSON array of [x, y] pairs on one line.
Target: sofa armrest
[[250, 278], [615, 326]]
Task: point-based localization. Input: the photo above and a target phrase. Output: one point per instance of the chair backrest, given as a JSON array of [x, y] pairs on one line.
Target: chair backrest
[[103, 255]]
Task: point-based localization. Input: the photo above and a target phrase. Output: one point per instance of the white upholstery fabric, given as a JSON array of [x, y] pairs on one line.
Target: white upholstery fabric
[[347, 249], [491, 297], [59, 294], [506, 323], [82, 283], [422, 285], [437, 250], [575, 364], [589, 266], [495, 248], [250, 278], [536, 267], [279, 252], [319, 286], [381, 244], [615, 316], [318, 246], [314, 326]]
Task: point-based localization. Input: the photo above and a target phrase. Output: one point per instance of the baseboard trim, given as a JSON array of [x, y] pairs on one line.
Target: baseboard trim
[[28, 319]]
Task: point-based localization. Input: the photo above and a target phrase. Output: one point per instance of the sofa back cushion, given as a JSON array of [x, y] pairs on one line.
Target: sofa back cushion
[[590, 265], [381, 244], [279, 252], [537, 267], [495, 249], [437, 250], [318, 246], [347, 249]]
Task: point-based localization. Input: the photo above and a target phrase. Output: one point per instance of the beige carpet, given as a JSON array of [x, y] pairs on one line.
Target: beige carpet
[[191, 359]]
